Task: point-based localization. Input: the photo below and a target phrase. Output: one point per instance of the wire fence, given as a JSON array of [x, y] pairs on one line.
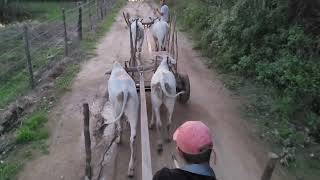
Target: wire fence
[[32, 48]]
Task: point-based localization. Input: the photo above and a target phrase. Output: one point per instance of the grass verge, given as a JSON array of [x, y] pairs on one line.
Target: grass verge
[[31, 138]]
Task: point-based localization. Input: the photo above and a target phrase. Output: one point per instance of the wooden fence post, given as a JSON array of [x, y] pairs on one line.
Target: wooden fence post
[[87, 141], [97, 8], [80, 22], [65, 33], [101, 9], [90, 19], [27, 49], [131, 47], [267, 173]]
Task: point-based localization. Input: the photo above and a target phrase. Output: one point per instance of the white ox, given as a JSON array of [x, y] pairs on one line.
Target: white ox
[[124, 99], [159, 31], [140, 37], [163, 91]]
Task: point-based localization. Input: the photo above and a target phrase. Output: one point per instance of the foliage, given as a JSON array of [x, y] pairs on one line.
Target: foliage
[[266, 43], [65, 80], [31, 130], [8, 170]]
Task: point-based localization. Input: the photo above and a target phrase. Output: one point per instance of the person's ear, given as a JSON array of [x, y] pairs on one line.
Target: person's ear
[[179, 152]]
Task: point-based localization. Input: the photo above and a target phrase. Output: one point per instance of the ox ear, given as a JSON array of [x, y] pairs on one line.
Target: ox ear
[[171, 60]]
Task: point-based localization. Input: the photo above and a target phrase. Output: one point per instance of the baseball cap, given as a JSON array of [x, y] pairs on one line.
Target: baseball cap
[[193, 137]]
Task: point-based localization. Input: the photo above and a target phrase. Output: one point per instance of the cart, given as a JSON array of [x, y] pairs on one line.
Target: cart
[[135, 66]]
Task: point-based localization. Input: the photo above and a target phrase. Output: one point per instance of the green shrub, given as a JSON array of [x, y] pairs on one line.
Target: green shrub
[[261, 42], [8, 170], [31, 130]]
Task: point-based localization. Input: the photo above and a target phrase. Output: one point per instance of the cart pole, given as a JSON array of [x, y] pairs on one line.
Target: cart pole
[[145, 142], [273, 159]]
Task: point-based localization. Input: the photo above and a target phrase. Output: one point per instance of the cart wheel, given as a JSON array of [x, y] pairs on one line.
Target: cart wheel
[[183, 84]]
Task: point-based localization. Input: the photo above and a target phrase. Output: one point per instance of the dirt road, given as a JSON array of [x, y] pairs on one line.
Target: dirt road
[[240, 156]]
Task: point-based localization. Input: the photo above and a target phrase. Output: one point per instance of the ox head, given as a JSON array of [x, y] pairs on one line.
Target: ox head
[[116, 65], [154, 19], [167, 60]]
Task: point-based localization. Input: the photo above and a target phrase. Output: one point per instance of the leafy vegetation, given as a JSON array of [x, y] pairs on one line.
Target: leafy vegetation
[[270, 52], [8, 170], [32, 129]]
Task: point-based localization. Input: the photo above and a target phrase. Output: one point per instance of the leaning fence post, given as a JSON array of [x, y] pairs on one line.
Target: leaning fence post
[[65, 33], [267, 173], [80, 22], [27, 49], [87, 141]]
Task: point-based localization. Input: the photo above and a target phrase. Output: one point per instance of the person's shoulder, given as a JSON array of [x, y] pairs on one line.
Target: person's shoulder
[[165, 6], [166, 174]]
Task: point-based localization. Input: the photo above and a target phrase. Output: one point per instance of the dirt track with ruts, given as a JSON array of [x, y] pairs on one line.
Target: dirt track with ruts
[[239, 155]]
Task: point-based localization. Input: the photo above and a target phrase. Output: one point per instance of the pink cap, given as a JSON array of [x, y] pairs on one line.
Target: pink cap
[[193, 137]]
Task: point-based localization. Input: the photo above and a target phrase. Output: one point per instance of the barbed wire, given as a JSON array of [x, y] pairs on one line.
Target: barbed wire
[[11, 38], [42, 45], [12, 50], [54, 42]]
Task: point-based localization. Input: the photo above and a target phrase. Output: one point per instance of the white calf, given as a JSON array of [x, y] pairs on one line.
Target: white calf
[[159, 31], [124, 99], [163, 91], [140, 37]]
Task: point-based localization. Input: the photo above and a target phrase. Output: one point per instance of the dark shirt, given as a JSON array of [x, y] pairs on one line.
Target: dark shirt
[[178, 174]]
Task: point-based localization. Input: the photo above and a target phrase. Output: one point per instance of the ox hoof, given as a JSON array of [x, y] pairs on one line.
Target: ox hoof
[[118, 140], [130, 173], [160, 148], [151, 126]]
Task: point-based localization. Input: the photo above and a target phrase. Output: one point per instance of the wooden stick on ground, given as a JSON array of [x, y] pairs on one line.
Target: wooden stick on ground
[[273, 159], [87, 141]]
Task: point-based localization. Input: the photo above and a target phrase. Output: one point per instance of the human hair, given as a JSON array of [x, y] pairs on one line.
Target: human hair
[[198, 158]]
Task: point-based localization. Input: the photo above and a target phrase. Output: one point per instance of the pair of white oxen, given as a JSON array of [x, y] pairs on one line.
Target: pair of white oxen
[[124, 98]]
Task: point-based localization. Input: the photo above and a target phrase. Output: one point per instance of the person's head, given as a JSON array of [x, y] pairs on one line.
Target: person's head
[[194, 142], [162, 2]]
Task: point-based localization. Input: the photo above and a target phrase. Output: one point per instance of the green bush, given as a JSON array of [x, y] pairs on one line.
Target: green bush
[[272, 45], [257, 41], [8, 170], [31, 130]]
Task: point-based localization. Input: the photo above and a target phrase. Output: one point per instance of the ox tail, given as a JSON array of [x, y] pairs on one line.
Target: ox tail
[[124, 103], [163, 87], [125, 99]]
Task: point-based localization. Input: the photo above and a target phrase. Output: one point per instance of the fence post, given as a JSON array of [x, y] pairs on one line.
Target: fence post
[[65, 33], [97, 8], [267, 173], [80, 22], [27, 49], [101, 9], [90, 18], [105, 7], [87, 141]]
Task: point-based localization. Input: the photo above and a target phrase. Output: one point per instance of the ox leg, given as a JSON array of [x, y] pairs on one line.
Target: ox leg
[[159, 125], [133, 126], [140, 45], [119, 131], [169, 103], [133, 114], [151, 125], [156, 43], [117, 109]]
